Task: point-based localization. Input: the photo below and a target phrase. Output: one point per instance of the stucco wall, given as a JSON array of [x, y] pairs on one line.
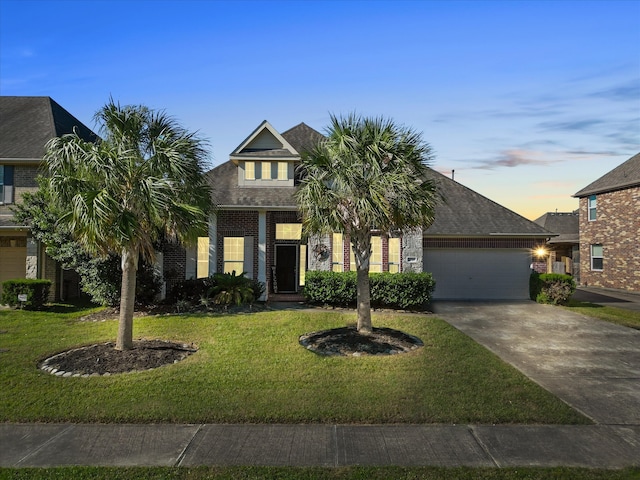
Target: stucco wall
[[617, 229]]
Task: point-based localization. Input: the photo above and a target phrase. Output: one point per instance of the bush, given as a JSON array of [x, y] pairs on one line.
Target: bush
[[37, 292], [394, 290], [220, 289], [551, 288]]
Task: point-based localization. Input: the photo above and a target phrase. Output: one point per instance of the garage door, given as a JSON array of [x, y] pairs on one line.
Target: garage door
[[12, 263], [479, 274]]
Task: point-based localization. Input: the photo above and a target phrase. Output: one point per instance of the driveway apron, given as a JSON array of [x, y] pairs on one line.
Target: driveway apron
[[592, 365]]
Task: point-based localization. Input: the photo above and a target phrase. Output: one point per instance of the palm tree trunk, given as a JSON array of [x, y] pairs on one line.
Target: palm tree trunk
[[364, 301], [362, 250], [127, 299]]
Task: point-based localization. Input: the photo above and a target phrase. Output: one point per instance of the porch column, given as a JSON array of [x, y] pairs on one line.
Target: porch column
[[262, 250], [32, 268], [213, 245]]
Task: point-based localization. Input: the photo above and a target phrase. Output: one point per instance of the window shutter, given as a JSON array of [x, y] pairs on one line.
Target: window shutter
[[248, 257]]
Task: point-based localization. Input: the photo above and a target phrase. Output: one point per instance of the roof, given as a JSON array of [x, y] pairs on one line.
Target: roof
[[624, 176], [265, 142], [226, 192], [565, 224], [463, 212], [28, 123], [302, 137]]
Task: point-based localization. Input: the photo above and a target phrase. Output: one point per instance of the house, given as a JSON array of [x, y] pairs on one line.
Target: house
[[26, 125], [610, 229], [563, 252], [476, 249]]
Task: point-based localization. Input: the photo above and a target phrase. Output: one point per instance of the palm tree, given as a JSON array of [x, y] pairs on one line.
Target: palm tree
[[369, 173], [143, 180]]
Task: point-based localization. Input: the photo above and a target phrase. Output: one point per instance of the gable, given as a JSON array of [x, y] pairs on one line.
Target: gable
[[264, 142]]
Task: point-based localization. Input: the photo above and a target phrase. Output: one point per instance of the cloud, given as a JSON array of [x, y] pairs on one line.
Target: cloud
[[572, 126], [625, 92], [515, 158]]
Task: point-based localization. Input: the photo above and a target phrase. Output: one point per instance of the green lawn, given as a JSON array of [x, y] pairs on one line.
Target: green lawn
[[627, 318], [291, 473], [250, 368]]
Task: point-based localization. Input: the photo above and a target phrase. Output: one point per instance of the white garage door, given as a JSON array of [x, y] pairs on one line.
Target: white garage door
[[13, 262], [478, 274]]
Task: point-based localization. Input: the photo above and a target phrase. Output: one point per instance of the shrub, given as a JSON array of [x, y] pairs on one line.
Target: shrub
[[219, 289], [551, 288], [330, 288], [401, 290], [230, 289], [37, 292], [396, 290]]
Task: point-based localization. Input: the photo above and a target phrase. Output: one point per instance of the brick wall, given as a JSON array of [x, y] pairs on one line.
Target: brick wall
[[237, 224], [617, 229], [174, 264]]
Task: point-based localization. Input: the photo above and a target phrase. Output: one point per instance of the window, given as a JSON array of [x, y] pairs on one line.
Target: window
[[394, 255], [249, 170], [233, 254], [288, 231], [303, 263], [375, 261], [6, 184], [265, 173], [337, 253], [597, 259], [592, 207], [202, 268], [283, 171]]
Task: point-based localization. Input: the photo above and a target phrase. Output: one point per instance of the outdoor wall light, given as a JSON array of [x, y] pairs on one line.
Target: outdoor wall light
[[540, 252]]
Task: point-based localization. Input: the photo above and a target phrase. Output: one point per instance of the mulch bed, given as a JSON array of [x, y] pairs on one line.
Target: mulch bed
[[102, 359], [347, 341]]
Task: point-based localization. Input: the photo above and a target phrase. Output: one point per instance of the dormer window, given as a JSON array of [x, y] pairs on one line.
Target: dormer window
[[249, 170], [265, 173]]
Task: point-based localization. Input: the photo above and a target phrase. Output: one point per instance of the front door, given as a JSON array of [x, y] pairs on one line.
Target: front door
[[286, 268]]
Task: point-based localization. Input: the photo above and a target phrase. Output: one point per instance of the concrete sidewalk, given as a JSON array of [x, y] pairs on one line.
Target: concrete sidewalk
[[592, 365], [44, 445]]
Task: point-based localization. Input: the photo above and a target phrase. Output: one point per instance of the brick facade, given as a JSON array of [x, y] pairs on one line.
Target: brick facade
[[237, 223], [617, 229]]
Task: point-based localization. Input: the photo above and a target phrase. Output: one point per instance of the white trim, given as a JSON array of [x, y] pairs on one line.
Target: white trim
[[262, 250], [264, 126]]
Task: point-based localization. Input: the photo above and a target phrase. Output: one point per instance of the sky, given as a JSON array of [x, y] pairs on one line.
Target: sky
[[527, 101]]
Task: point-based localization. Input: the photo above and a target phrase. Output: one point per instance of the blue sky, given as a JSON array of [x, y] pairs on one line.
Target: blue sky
[[528, 101]]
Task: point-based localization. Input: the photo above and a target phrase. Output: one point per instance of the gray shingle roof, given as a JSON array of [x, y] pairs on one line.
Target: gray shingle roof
[[226, 192], [28, 123], [302, 137], [463, 212], [623, 176], [565, 224]]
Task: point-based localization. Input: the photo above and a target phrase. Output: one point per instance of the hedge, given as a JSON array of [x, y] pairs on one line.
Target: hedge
[[37, 292], [392, 290], [551, 288]]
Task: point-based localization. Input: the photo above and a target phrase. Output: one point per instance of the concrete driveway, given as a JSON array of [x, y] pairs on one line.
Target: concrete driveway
[[592, 365]]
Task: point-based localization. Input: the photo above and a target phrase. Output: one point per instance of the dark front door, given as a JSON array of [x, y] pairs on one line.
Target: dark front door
[[286, 268]]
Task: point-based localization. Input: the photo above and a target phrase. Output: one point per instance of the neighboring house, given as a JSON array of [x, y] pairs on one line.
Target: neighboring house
[[476, 249], [563, 252], [26, 125], [610, 229]]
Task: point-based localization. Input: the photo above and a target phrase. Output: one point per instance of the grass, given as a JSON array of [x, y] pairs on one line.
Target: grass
[[627, 318], [349, 473], [251, 369]]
